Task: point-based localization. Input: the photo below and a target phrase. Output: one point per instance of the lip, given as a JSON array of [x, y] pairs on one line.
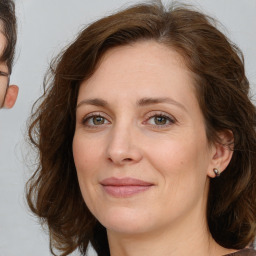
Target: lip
[[124, 187]]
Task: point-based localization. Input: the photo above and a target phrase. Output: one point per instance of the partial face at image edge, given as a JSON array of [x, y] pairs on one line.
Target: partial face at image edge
[[4, 73], [8, 93]]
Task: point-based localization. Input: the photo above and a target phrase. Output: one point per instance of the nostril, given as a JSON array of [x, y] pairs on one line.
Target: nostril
[[127, 159]]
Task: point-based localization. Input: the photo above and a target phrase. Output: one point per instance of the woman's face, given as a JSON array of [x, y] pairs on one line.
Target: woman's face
[[140, 147]]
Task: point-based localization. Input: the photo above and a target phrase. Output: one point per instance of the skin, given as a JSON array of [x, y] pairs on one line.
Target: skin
[[8, 95], [128, 141]]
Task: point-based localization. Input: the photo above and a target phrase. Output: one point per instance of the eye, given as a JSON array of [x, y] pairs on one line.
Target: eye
[[160, 120], [3, 73], [95, 120]]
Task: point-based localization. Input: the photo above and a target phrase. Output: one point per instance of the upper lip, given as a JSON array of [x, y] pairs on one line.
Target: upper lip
[[124, 182]]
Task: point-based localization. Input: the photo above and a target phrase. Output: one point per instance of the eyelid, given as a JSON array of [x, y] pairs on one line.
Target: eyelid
[[2, 73], [160, 113], [93, 114], [152, 114]]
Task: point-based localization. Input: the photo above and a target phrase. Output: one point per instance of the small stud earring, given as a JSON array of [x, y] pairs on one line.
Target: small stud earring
[[216, 171]]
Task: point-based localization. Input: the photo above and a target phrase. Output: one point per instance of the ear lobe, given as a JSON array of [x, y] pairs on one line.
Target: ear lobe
[[11, 96], [222, 152]]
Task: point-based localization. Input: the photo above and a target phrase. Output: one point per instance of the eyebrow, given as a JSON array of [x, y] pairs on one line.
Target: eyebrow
[[150, 101], [95, 102], [141, 103]]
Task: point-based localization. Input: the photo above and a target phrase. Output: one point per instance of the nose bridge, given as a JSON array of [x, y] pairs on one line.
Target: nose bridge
[[122, 146]]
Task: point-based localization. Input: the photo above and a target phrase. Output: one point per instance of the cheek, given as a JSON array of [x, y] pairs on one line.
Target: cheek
[[2, 93], [172, 156], [86, 157], [182, 163]]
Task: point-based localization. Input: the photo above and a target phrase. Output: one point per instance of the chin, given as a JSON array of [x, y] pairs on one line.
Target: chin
[[125, 220]]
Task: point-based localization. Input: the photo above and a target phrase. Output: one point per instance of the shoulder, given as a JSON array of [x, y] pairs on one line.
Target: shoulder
[[244, 252]]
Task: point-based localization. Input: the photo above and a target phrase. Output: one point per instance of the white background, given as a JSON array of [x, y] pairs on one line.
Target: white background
[[45, 26]]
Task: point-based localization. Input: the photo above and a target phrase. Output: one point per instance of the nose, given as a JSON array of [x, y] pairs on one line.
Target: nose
[[123, 147]]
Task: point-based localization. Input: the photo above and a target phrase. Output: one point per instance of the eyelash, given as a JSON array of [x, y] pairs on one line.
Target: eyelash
[[90, 117], [168, 118], [3, 73]]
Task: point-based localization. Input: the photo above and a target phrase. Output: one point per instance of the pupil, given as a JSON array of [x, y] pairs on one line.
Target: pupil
[[160, 120], [98, 120]]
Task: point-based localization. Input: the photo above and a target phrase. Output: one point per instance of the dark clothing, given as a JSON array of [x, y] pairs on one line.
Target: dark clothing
[[244, 252]]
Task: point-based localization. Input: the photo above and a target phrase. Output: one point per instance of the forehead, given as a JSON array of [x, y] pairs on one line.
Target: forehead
[[2, 34], [3, 65], [141, 64], [127, 74], [2, 41]]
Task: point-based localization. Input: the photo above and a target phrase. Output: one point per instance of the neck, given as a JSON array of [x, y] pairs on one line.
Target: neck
[[165, 244], [188, 236], [155, 244]]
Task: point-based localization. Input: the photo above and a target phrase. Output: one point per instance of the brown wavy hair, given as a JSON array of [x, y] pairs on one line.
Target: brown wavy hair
[[222, 88], [8, 24]]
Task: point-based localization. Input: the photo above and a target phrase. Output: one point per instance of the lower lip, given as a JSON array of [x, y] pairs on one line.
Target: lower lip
[[125, 191]]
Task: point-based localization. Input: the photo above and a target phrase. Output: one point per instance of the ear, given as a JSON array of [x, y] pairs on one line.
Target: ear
[[11, 96], [222, 152]]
